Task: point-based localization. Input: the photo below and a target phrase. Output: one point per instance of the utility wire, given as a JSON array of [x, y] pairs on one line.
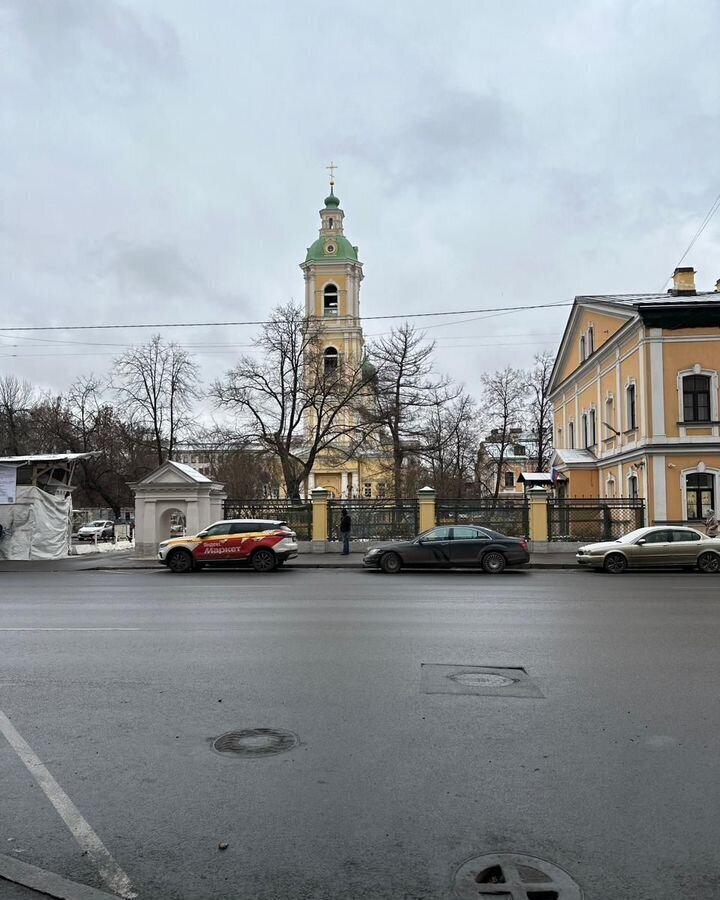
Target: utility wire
[[456, 312], [703, 225]]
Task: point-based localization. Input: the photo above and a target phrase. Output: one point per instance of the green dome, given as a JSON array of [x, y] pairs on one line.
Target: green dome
[[331, 201], [343, 248]]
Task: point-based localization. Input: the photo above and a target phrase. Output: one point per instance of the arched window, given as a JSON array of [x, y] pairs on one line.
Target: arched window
[[591, 340], [571, 436], [696, 398], [582, 349], [330, 359], [610, 487], [591, 428], [585, 438], [633, 487], [330, 297], [330, 222]]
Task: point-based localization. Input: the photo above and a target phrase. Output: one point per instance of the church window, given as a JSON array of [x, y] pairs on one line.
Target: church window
[[330, 298], [330, 222], [330, 359]]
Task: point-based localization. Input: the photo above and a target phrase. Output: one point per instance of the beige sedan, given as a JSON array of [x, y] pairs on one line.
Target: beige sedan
[[657, 546]]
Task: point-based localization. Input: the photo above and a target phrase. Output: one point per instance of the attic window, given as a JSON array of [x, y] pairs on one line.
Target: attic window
[[583, 352]]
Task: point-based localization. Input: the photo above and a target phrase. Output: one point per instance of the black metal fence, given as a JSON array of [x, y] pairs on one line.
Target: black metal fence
[[375, 520], [298, 514], [509, 515], [575, 519]]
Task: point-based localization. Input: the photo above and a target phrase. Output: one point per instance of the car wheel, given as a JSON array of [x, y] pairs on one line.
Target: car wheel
[[391, 563], [263, 560], [615, 563], [709, 563], [494, 562], [180, 561]]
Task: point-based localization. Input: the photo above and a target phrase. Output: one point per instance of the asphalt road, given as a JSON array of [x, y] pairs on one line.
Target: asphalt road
[[614, 774]]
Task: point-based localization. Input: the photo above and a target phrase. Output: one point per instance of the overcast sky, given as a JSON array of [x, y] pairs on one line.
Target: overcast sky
[[164, 161]]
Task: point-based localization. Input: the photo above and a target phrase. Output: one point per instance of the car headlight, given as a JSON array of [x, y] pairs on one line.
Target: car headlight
[[163, 543], [374, 551]]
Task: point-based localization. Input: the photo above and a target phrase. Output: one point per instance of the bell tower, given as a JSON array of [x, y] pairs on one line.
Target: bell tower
[[333, 274]]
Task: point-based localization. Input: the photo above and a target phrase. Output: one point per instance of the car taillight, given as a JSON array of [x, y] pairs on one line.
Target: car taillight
[[524, 544]]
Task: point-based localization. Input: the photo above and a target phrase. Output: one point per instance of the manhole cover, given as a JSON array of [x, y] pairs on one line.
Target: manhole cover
[[482, 679], [514, 876], [488, 681], [253, 742]]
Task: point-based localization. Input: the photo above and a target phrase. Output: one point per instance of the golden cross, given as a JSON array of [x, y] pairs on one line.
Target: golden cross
[[331, 169]]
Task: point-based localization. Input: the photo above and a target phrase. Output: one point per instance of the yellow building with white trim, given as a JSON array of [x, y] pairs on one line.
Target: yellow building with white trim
[[636, 399]]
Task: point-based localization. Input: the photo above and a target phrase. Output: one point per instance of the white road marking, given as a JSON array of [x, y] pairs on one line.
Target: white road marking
[[47, 628], [89, 842]]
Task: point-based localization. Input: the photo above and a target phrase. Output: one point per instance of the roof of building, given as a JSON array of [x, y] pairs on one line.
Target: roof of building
[[536, 478], [343, 249], [575, 456], [188, 470], [39, 458], [642, 300]]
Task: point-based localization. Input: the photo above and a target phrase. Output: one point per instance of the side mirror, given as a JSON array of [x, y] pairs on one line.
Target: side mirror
[[203, 534], [641, 542]]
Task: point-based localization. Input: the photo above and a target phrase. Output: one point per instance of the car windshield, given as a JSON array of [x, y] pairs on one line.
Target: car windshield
[[632, 536], [98, 524]]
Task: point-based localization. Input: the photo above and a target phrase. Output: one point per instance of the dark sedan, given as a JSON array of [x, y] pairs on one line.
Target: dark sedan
[[451, 546]]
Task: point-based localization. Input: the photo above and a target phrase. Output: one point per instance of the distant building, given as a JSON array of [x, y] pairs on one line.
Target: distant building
[[636, 398]]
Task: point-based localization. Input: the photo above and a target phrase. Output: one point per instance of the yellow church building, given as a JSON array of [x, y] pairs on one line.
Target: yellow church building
[[636, 398], [333, 274]]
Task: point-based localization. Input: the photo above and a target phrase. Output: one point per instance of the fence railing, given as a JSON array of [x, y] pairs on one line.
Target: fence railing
[[298, 514], [509, 515], [375, 520], [575, 519]]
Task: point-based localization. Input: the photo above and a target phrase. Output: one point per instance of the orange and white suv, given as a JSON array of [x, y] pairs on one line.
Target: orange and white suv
[[264, 544]]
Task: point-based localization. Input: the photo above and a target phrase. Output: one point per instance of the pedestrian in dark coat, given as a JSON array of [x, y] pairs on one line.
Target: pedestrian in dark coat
[[345, 526]]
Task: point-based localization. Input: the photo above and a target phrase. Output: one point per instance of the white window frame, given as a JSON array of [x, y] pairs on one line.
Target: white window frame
[[631, 383], [337, 309], [697, 369], [610, 485], [630, 476], [700, 469], [582, 348]]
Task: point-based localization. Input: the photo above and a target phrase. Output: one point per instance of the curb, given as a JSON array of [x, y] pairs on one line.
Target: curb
[[318, 565]]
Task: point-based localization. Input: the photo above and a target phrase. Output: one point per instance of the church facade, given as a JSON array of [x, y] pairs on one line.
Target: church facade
[[333, 275]]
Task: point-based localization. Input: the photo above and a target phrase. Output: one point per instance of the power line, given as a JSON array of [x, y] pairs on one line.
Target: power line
[[116, 326], [703, 225]]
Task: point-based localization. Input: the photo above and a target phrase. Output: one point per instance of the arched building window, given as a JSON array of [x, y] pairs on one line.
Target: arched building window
[[590, 340], [583, 353], [330, 300], [633, 492], [330, 359], [571, 436]]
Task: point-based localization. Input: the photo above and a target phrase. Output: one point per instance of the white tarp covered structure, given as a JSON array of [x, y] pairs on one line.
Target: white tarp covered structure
[[36, 526], [37, 520]]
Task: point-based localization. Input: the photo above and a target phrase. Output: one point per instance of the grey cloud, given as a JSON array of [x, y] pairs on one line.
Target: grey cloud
[[112, 44], [155, 270]]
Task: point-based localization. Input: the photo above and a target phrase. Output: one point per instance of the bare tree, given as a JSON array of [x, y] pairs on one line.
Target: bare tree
[[539, 409], [450, 442], [404, 391], [83, 420], [292, 399], [157, 383], [503, 400], [16, 402]]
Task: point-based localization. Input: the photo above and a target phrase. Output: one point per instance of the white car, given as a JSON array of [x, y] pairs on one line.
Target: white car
[[264, 544], [99, 530]]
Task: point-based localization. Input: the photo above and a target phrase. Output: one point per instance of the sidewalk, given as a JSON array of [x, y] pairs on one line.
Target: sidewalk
[[122, 560]]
